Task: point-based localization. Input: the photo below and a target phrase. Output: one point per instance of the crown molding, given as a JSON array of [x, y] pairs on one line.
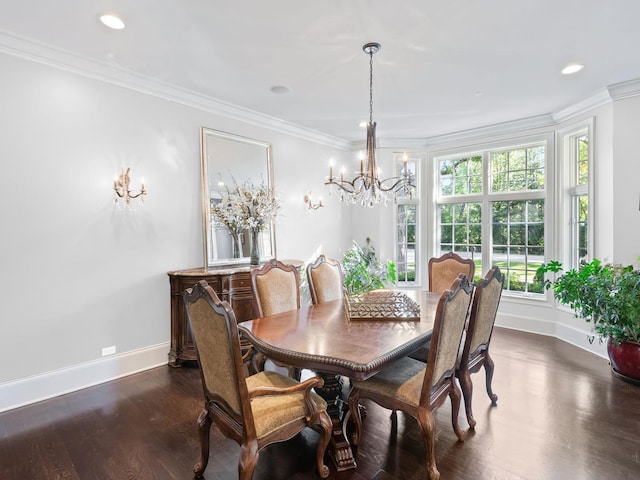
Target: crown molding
[[513, 126], [630, 88], [116, 75], [598, 99]]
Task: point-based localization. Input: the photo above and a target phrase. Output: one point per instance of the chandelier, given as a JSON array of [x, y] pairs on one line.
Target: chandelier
[[367, 189]]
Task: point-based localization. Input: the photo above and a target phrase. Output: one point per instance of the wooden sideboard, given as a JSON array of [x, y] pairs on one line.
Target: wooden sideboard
[[232, 284]]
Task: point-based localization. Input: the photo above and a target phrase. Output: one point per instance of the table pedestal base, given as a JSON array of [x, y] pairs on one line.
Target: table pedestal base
[[339, 447]]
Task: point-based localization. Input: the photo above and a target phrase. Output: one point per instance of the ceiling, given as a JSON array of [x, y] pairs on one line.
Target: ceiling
[[444, 66]]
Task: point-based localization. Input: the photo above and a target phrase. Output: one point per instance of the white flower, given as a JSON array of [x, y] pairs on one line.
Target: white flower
[[246, 206]]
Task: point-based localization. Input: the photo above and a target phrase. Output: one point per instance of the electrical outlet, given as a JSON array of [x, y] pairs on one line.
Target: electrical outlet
[[108, 350]]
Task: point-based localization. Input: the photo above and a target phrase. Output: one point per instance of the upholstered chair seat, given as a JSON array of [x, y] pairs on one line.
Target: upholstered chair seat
[[271, 412]]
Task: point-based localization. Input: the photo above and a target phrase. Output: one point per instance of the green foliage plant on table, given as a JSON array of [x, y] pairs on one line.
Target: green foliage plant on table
[[363, 271], [605, 294]]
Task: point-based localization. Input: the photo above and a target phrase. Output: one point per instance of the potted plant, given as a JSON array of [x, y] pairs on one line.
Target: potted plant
[[363, 271], [608, 296]]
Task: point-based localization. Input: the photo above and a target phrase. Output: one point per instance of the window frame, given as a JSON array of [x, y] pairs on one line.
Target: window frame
[[569, 189], [487, 196], [415, 200]]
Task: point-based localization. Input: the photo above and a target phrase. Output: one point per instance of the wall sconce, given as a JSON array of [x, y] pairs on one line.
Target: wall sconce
[[310, 204], [121, 187]]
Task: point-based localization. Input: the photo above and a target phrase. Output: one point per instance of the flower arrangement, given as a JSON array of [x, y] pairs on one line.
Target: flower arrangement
[[230, 213], [246, 206]]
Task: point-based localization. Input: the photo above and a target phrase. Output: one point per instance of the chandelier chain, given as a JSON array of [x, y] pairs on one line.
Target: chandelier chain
[[370, 86]]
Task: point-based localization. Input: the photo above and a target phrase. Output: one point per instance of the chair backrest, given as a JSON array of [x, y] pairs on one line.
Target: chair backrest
[[444, 270], [448, 327], [325, 280], [276, 288], [483, 313], [217, 345]]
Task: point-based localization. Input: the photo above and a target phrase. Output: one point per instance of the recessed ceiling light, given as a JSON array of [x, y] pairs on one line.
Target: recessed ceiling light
[[572, 68], [280, 89], [112, 21]]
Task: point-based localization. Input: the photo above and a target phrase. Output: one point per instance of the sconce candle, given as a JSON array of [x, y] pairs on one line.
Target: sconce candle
[[121, 188], [310, 204]]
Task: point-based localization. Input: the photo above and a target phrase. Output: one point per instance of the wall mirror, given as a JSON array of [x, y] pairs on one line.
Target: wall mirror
[[227, 158]]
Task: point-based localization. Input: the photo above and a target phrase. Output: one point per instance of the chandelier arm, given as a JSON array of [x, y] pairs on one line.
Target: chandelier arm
[[399, 183]]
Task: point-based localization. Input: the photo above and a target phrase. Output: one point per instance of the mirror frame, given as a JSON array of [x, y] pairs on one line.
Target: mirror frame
[[211, 259]]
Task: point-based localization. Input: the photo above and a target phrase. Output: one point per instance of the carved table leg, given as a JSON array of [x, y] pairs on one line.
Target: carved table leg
[[339, 448]]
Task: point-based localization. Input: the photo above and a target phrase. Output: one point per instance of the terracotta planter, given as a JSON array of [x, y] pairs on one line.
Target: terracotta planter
[[625, 360]]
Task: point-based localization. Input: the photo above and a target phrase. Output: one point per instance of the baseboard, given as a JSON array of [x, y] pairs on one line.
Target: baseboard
[[34, 389], [526, 324], [553, 328]]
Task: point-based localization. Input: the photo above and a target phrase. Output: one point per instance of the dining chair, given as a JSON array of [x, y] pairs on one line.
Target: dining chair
[[442, 272], [418, 389], [475, 352], [276, 289], [257, 410], [325, 280]]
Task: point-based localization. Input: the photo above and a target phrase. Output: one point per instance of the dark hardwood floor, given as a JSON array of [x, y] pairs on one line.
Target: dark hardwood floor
[[561, 414]]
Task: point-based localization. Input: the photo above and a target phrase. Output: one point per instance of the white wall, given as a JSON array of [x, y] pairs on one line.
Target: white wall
[[79, 275], [625, 167]]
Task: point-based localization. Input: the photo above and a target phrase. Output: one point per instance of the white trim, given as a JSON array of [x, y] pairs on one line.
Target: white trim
[[27, 390], [596, 100], [514, 126], [552, 328], [116, 75], [630, 88]]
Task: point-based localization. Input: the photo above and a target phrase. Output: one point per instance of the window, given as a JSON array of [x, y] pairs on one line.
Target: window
[[580, 200], [407, 225], [491, 208], [574, 171]]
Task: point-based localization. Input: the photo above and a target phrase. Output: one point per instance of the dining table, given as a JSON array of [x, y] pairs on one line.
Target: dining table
[[329, 340]]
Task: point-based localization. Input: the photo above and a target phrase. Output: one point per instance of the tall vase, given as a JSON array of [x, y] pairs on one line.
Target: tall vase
[[255, 246], [236, 246]]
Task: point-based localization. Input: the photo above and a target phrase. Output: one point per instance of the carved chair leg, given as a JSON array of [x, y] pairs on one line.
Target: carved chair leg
[[464, 376], [325, 427], [455, 397], [354, 411], [488, 368], [204, 426], [427, 425], [248, 460]]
